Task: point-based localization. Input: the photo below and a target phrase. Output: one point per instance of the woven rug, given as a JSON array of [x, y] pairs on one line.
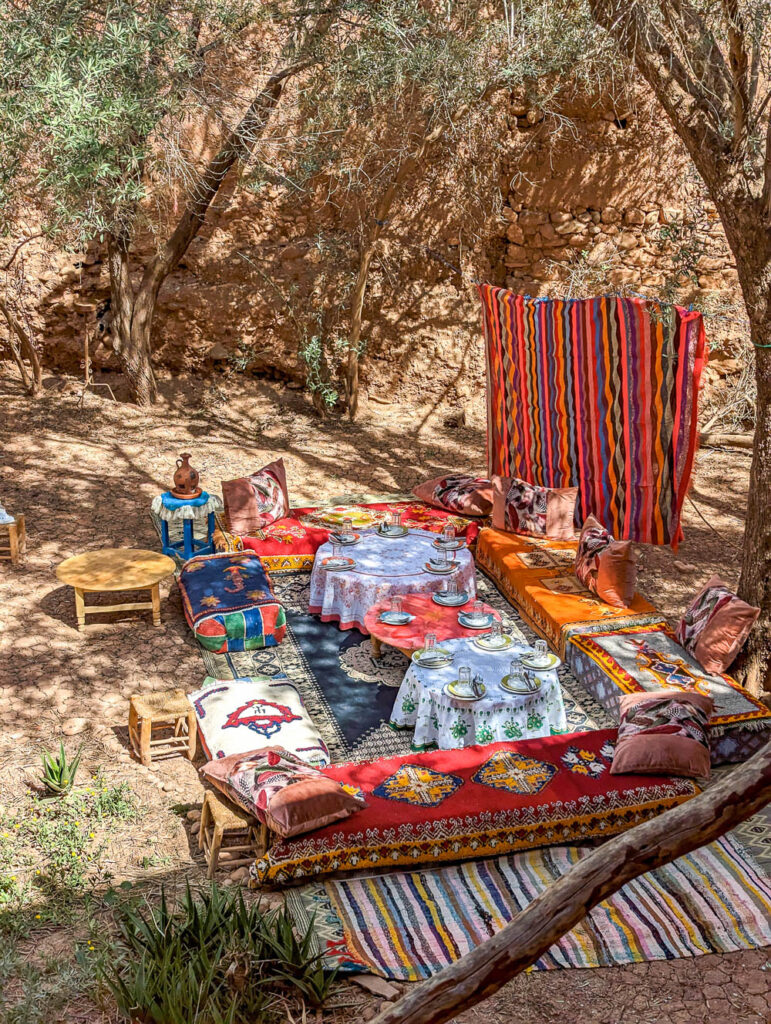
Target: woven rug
[[600, 394], [348, 692], [409, 925]]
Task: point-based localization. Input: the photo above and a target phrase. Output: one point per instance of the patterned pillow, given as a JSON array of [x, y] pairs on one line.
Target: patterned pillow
[[282, 791], [466, 495], [254, 502], [520, 507], [234, 714], [664, 733], [715, 626], [606, 566]]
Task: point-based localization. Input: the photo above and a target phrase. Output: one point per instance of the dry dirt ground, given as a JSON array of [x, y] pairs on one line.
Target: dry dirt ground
[[85, 475]]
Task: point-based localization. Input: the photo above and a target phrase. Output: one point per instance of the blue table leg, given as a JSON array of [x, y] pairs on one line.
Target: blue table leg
[[188, 535], [165, 539]]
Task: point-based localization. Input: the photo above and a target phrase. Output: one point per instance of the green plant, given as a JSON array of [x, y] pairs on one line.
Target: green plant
[[213, 959], [59, 773]]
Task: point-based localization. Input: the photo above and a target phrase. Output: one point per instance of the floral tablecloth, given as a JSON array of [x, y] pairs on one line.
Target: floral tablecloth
[[440, 721], [384, 567]]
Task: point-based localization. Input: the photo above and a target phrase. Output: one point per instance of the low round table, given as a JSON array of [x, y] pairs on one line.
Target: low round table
[[114, 569], [430, 617], [384, 566], [444, 722]]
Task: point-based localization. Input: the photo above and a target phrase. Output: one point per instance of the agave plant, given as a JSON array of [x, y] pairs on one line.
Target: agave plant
[[58, 772]]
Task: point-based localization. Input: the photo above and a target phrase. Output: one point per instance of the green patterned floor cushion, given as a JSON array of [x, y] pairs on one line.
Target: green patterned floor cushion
[[635, 659], [229, 602]]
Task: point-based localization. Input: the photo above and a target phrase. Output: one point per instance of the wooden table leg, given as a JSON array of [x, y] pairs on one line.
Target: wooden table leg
[[80, 608], [155, 594], [377, 646]]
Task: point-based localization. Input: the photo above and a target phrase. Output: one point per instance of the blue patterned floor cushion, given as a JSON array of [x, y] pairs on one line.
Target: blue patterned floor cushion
[[610, 663], [229, 602], [236, 716]]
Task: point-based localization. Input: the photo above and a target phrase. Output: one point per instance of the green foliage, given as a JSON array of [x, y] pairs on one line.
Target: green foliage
[[59, 773], [214, 959]]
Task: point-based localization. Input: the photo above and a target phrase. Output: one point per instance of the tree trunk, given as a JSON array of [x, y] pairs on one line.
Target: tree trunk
[[26, 348], [754, 666], [568, 900]]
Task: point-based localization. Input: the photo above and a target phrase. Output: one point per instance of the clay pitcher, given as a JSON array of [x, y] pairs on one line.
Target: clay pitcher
[[185, 478]]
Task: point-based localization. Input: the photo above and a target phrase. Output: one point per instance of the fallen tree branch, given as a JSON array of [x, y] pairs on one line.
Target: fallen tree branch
[[552, 914], [727, 441]]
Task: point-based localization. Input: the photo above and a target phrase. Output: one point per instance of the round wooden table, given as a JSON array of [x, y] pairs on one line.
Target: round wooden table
[[114, 569], [430, 617]]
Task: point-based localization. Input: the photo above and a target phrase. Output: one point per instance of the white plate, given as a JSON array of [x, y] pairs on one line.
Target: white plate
[[396, 618], [449, 692], [464, 620], [529, 662], [520, 689], [449, 545], [446, 660], [332, 565], [448, 601], [392, 532], [479, 641], [441, 572], [337, 539]]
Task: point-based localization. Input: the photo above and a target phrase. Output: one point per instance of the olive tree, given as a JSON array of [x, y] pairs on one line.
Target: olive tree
[[100, 105]]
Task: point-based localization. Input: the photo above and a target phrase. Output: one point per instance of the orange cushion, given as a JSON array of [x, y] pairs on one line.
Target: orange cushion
[[538, 577]]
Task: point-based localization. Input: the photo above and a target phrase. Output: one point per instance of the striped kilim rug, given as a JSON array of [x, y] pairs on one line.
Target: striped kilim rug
[[600, 394], [409, 925]]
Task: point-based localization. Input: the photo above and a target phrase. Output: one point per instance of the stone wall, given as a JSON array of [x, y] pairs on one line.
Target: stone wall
[[605, 199]]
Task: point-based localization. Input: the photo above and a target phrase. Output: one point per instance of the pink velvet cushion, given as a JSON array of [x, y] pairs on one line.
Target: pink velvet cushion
[[716, 625], [664, 732], [281, 791], [520, 507], [606, 566], [254, 502], [466, 495]]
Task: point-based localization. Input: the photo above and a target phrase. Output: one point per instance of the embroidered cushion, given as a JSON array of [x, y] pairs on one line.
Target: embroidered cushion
[[255, 501], [479, 801], [229, 602], [281, 791], [520, 507], [467, 495], [716, 625], [234, 714], [606, 566], [665, 732]]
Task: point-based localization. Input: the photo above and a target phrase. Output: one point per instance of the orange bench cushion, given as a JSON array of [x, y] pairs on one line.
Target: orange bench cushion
[[537, 576]]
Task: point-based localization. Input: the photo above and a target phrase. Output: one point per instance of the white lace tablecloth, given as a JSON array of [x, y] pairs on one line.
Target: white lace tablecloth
[[440, 721], [384, 567]]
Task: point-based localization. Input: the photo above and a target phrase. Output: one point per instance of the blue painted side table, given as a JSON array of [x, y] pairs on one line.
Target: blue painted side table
[[190, 511]]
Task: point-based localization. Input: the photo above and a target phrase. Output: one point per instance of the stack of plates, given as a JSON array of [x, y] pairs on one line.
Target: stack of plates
[[438, 658], [451, 690], [338, 538], [470, 621], [485, 643], [392, 531], [396, 618], [450, 600], [449, 545], [337, 564], [434, 567], [550, 661]]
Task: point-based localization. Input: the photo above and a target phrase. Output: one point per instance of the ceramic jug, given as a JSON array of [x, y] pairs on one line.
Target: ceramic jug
[[185, 478]]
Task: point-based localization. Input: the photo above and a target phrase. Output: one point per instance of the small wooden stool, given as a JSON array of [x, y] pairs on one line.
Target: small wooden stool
[[170, 714], [17, 540], [225, 828]]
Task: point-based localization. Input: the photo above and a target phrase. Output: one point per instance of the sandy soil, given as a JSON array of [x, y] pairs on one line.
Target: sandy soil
[[85, 475]]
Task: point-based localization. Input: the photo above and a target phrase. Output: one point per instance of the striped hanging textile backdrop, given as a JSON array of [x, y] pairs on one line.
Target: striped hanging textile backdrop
[[600, 394]]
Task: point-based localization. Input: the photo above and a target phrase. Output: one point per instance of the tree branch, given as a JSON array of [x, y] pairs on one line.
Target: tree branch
[[533, 931]]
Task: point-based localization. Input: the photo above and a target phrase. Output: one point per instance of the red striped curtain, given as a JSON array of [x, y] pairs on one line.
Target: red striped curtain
[[600, 394]]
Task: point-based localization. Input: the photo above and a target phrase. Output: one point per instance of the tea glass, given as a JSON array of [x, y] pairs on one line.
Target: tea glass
[[448, 533], [450, 588], [517, 677], [496, 633], [540, 652], [337, 551], [478, 612], [346, 530], [429, 644], [395, 520], [396, 604], [464, 680]]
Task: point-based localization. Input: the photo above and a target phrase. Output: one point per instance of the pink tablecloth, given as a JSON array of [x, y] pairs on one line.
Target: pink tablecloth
[[383, 567], [429, 618]]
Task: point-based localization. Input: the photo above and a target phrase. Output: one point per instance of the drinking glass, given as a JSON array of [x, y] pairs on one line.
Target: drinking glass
[[440, 559], [496, 632], [337, 550], [347, 529], [429, 643], [396, 604], [478, 610], [516, 672], [464, 679], [448, 533], [452, 588], [395, 520], [540, 652]]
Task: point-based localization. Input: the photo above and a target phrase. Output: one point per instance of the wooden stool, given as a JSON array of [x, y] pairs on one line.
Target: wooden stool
[[225, 828], [17, 540], [170, 714]]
